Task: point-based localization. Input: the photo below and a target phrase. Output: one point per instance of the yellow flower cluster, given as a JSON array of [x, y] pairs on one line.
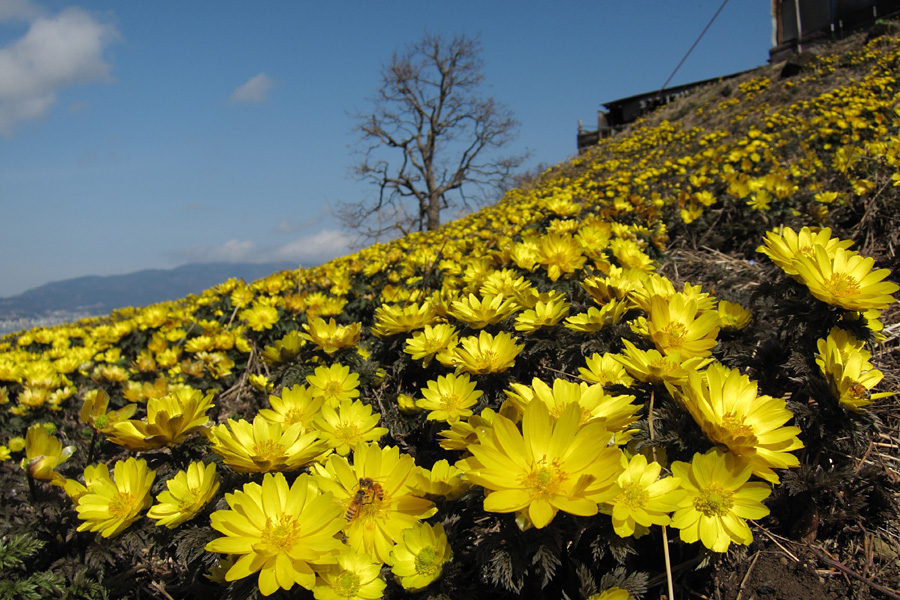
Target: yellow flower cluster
[[295, 381]]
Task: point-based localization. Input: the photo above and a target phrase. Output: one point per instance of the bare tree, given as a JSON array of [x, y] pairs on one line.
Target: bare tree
[[431, 132]]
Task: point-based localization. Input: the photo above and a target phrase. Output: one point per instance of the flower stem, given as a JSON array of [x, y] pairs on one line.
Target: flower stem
[[665, 534]]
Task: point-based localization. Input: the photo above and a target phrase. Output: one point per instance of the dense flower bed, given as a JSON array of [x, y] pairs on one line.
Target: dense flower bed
[[519, 403]]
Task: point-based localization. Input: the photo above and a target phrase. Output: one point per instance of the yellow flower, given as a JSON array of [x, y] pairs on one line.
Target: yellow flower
[[559, 254], [845, 363], [551, 465], [613, 593], [732, 316], [784, 247], [334, 383], [188, 492], [486, 353], [331, 337], [419, 558], [278, 530], [110, 506], [630, 255], [354, 577], [544, 314], [605, 370], [260, 317], [596, 319], [375, 497], [284, 350], [644, 499], [94, 411], [169, 421], [449, 398], [845, 279], [390, 320], [43, 453], [433, 340], [264, 446], [615, 413], [676, 328], [652, 367], [443, 480], [719, 499], [725, 405], [478, 313], [296, 404], [348, 424]]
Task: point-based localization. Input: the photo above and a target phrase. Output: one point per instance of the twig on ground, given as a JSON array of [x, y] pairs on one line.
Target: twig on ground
[[823, 556]]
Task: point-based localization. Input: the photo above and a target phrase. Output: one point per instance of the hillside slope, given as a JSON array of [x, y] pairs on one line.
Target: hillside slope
[[598, 388]]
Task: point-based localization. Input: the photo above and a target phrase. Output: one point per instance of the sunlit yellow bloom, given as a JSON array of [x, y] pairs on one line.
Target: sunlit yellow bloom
[[559, 254], [418, 559], [354, 577], [845, 279], [284, 350], [596, 319], [508, 283], [486, 353], [390, 320], [296, 404], [260, 317], [615, 286], [544, 314], [652, 367], [787, 245], [845, 363], [426, 344], [450, 398], [725, 404], [613, 593], [630, 255], [676, 328], [187, 493], [551, 465], [43, 453], [331, 337], [278, 530], [334, 383], [732, 316], [379, 479], [605, 370], [94, 411], [525, 254], [443, 480], [719, 499], [463, 433], [169, 421], [110, 506], [481, 312], [615, 413], [349, 423], [264, 446], [644, 499]]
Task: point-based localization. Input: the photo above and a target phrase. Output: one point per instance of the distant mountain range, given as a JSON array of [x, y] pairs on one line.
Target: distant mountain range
[[73, 299]]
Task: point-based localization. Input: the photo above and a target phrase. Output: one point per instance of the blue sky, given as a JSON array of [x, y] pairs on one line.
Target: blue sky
[[141, 135]]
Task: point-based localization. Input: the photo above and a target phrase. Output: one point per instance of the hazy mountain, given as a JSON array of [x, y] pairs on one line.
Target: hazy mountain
[[72, 299]]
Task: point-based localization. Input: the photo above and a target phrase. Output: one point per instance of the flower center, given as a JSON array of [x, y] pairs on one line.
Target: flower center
[[121, 505], [450, 402], [281, 535], [714, 500], [842, 284], [347, 433], [268, 450], [673, 334], [347, 585], [633, 496], [333, 389], [427, 561], [736, 426], [544, 479]]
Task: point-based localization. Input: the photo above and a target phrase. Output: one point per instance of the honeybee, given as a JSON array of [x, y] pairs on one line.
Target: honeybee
[[368, 491]]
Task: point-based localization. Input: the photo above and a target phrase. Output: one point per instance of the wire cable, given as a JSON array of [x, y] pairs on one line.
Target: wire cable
[[697, 41]]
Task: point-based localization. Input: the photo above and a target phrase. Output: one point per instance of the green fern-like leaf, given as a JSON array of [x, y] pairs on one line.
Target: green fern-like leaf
[[15, 549]]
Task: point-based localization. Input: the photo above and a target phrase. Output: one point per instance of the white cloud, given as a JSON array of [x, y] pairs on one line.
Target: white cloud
[[254, 91], [57, 52], [19, 10], [309, 250]]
